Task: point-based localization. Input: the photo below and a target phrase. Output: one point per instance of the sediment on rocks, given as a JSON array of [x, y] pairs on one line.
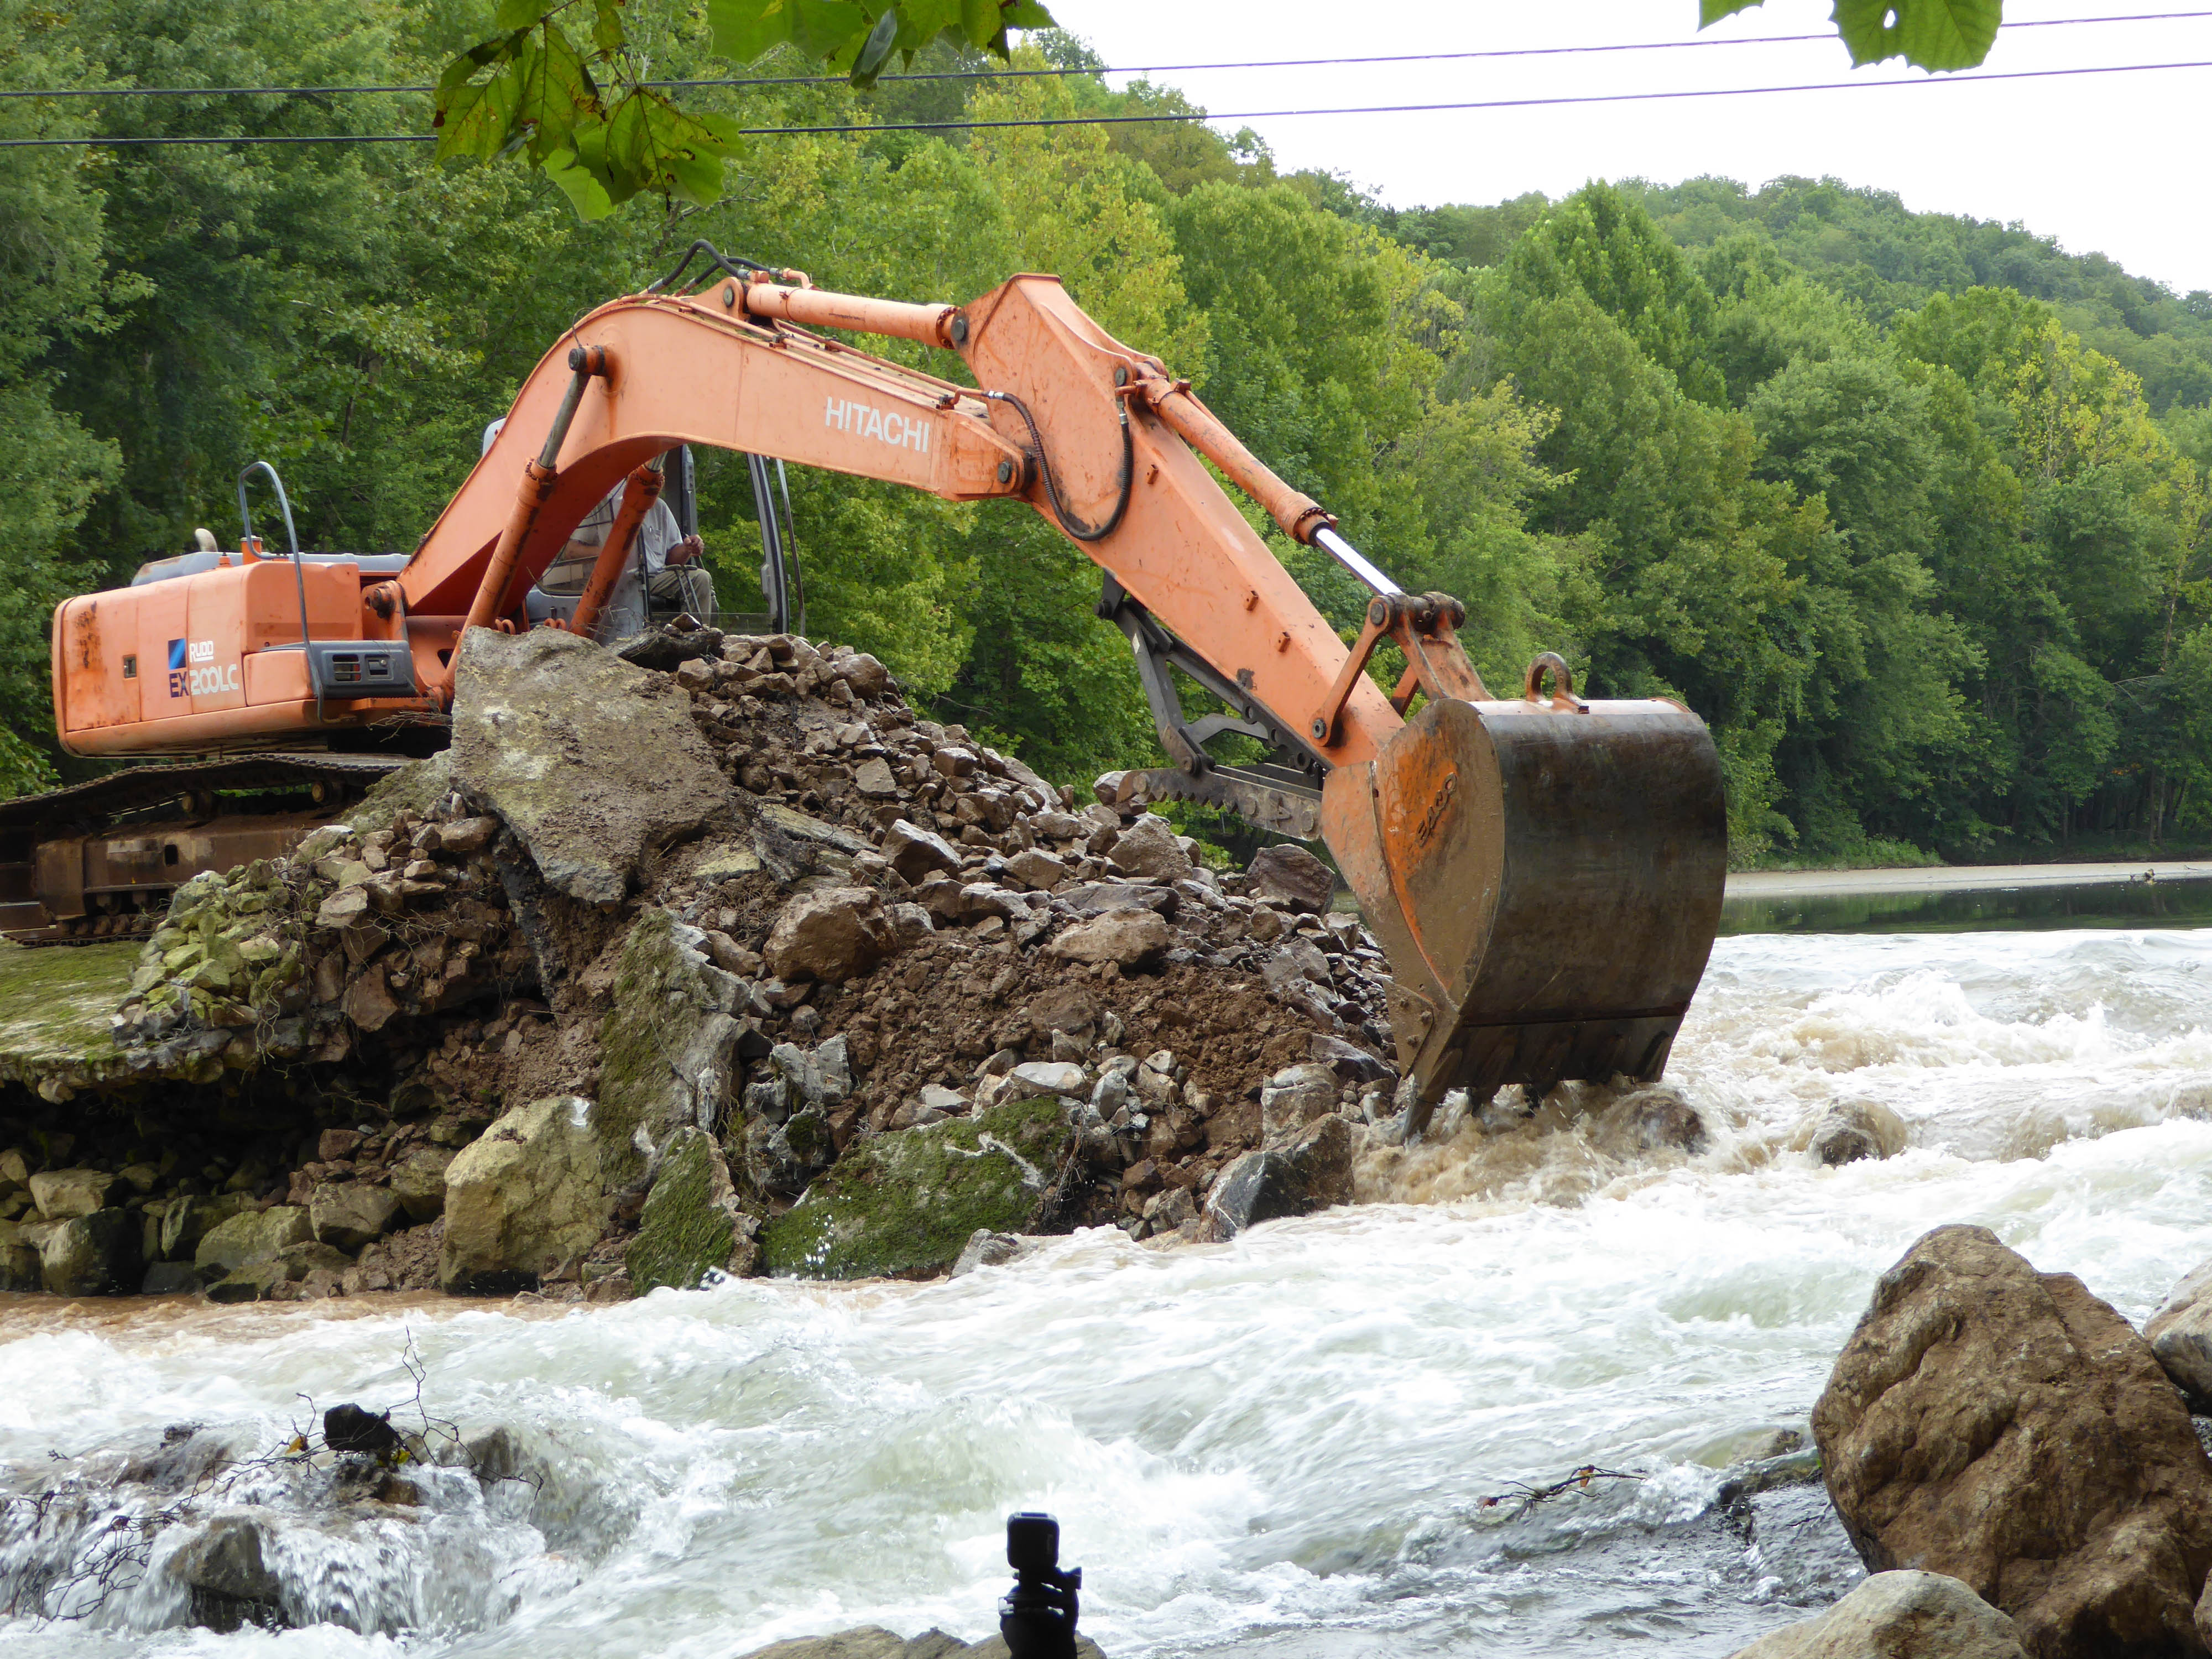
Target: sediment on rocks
[[844, 950]]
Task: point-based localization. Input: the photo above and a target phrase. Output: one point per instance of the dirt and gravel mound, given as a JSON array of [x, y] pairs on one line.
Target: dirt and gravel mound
[[872, 926]]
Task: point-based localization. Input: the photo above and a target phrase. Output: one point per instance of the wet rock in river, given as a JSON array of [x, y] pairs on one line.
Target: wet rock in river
[[228, 1578], [591, 762], [251, 1236], [2007, 1428], [1311, 1172], [1898, 1615], [95, 1254], [1858, 1129], [692, 1224], [524, 1201], [874, 1642], [1294, 1097], [907, 1204]]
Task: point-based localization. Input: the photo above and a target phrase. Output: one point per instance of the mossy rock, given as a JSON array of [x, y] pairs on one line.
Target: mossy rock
[[690, 1227], [668, 1041], [903, 1205], [414, 788], [54, 1006]]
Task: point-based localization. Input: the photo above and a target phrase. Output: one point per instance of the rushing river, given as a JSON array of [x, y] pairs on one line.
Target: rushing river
[[1281, 1445]]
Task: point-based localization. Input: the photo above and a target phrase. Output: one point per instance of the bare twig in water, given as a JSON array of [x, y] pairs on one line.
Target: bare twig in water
[[1525, 1497]]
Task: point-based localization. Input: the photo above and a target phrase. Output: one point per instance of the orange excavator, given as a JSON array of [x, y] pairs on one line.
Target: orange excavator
[[1543, 870]]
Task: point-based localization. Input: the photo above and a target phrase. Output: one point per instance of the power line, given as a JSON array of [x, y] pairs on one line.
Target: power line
[[1178, 116], [1142, 69]]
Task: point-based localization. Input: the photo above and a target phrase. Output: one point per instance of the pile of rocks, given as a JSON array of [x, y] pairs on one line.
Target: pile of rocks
[[713, 956]]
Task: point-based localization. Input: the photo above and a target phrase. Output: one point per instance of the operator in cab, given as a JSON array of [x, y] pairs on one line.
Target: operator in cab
[[663, 577]]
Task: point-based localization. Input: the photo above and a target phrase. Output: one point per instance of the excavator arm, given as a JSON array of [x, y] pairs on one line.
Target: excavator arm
[[1544, 871]]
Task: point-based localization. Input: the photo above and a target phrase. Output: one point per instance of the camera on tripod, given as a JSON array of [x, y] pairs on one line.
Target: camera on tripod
[[1037, 1616]]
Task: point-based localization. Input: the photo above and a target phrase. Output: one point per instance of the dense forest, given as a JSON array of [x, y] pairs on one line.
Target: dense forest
[[1912, 509]]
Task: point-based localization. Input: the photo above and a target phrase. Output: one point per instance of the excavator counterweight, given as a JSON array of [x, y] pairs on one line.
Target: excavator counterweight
[[1544, 873]]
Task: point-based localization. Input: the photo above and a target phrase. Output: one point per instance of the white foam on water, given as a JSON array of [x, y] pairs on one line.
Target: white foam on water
[[1280, 1444]]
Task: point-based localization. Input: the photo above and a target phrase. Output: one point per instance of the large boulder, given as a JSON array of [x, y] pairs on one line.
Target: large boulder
[[1289, 875], [2180, 1334], [189, 1220], [668, 1046], [834, 935], [1294, 1097], [20, 1268], [251, 1236], [349, 1214], [905, 1203], [2006, 1428], [418, 1181], [692, 1226], [61, 1194], [1898, 1615], [1308, 1173], [524, 1200], [591, 762], [95, 1254]]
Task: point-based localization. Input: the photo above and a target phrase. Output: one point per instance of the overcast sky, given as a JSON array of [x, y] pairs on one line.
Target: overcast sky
[[2112, 163]]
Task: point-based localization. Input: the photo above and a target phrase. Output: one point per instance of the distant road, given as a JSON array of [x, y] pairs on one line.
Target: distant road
[[1836, 884]]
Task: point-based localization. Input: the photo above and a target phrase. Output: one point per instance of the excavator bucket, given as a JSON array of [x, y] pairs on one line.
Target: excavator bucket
[[1546, 876]]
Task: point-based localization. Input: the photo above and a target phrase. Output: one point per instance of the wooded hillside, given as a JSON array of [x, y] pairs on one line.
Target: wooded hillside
[[1911, 508]]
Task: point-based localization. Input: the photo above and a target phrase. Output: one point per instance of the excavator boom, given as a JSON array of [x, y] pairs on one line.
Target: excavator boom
[[1544, 871]]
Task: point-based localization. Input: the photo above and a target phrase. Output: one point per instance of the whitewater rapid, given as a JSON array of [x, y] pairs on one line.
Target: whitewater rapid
[[1281, 1444]]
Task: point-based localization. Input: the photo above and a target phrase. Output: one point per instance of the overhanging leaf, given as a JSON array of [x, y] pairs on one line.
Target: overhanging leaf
[[586, 192], [876, 48], [1935, 34], [475, 119], [555, 89], [1710, 12], [743, 29], [608, 35], [520, 14]]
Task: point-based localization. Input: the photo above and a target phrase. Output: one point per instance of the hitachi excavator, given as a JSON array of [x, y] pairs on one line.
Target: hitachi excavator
[[1543, 870]]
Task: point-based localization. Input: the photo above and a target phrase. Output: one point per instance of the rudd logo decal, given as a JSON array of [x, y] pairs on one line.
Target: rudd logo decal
[[188, 678]]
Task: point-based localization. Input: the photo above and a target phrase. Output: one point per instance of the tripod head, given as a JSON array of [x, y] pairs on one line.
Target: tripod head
[[1037, 1616]]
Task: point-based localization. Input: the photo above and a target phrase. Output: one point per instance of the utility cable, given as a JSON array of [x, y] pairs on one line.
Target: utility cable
[[1178, 116], [1054, 72]]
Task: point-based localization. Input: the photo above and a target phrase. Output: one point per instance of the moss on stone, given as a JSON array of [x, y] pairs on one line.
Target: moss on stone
[[689, 1228], [669, 1026], [904, 1204], [414, 787], [54, 1005]]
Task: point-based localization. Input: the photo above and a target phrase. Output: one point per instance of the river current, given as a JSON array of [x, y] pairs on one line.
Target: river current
[[1287, 1444]]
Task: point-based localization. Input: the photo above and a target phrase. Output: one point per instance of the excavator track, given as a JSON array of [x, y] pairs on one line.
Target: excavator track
[[98, 861]]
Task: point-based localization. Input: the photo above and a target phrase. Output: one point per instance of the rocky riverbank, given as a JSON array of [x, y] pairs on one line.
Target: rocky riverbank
[[707, 957], [2016, 1466]]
